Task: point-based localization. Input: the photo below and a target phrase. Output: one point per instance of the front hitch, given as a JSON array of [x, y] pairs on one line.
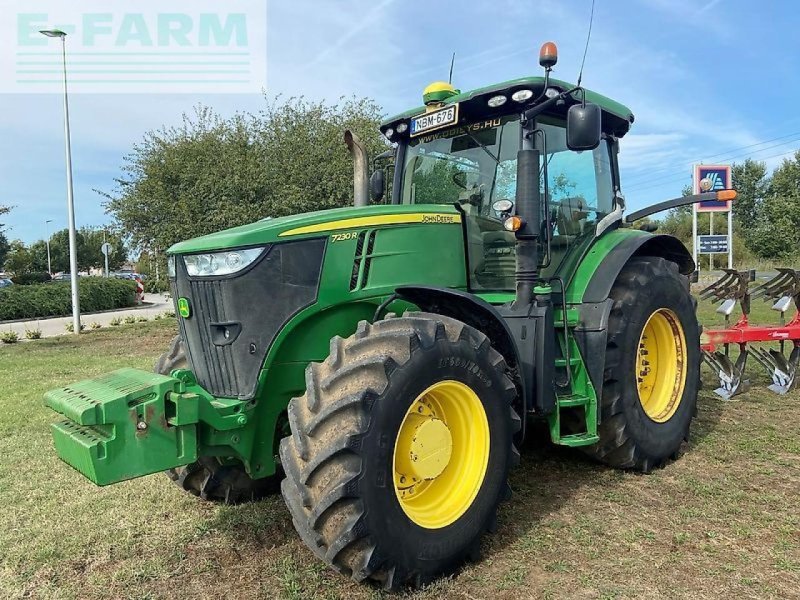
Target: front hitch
[[130, 423]]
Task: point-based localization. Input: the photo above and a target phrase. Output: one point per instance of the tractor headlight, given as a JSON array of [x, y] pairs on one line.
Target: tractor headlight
[[171, 266], [522, 95], [220, 263]]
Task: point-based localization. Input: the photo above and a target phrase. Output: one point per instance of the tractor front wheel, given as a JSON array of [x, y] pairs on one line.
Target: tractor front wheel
[[209, 477], [400, 449], [652, 372]]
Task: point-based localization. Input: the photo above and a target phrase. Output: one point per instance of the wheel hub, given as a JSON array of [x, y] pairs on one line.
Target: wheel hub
[[429, 450]]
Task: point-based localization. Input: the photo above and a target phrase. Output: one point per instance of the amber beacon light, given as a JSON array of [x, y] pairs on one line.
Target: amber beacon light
[[548, 55]]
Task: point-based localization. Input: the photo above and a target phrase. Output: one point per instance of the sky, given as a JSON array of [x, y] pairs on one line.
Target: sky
[[708, 81]]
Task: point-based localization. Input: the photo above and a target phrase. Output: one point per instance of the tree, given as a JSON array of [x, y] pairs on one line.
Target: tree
[[751, 182], [4, 248], [212, 173], [18, 260], [38, 256], [4, 245], [775, 232], [90, 255]]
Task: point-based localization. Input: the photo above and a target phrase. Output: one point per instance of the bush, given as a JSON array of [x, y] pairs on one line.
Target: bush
[[71, 327], [54, 299], [116, 321], [130, 319], [94, 325], [31, 278], [33, 334], [9, 337]]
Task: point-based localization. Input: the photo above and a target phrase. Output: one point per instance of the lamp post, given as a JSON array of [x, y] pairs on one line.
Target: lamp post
[[73, 247], [47, 242]]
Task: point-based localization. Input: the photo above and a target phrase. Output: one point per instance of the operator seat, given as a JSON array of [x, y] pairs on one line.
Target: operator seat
[[570, 222]]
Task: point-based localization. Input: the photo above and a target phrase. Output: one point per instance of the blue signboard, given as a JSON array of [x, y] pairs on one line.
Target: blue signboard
[[712, 178], [713, 244]]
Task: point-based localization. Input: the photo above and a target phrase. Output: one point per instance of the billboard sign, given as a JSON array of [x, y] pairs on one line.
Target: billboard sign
[[713, 244], [712, 178]]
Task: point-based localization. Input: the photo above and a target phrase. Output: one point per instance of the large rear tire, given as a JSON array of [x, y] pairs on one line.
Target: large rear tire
[[652, 371], [208, 477], [400, 449]]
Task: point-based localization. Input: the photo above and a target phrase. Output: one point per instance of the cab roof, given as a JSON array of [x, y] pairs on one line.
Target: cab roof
[[616, 118]]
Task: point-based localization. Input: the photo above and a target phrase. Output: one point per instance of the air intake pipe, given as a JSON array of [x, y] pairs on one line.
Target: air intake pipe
[[528, 209], [360, 168]]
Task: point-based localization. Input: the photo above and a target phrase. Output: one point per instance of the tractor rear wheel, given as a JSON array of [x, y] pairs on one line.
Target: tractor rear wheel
[[208, 477], [400, 449], [652, 371]]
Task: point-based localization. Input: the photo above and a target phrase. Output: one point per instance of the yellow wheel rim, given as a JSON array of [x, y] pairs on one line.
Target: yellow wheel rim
[[441, 454], [661, 365]]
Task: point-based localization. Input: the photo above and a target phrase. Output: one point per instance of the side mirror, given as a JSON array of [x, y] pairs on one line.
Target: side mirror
[[377, 185], [583, 127]]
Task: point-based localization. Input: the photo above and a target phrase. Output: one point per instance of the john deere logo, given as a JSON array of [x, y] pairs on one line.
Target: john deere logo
[[183, 308]]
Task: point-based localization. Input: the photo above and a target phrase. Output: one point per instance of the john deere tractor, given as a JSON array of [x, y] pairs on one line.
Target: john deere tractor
[[382, 364]]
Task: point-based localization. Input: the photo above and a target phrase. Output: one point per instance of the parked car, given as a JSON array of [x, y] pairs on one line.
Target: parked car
[[5, 283]]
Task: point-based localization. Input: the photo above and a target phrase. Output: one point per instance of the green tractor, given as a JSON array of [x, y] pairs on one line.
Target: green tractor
[[382, 364]]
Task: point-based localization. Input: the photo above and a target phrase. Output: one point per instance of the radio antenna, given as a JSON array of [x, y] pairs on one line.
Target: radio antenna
[[586, 48], [452, 62]]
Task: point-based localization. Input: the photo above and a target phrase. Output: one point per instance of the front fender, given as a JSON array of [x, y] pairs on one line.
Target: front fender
[[477, 313]]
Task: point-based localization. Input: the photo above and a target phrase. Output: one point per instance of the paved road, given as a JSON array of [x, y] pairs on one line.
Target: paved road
[[154, 304]]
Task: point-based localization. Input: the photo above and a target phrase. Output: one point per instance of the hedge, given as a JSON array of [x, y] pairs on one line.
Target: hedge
[[31, 278], [54, 299]]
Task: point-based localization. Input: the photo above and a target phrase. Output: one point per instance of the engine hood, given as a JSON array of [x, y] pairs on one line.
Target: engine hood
[[317, 224]]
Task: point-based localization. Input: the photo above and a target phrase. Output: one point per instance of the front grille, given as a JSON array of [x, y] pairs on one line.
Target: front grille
[[252, 307], [216, 361]]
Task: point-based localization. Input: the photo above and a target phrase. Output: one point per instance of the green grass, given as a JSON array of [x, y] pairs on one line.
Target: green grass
[[722, 521]]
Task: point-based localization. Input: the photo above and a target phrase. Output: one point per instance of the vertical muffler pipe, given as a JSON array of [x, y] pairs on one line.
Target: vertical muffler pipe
[[528, 202], [360, 168]]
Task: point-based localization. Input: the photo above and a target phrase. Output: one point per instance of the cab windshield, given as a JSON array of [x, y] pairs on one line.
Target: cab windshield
[[472, 165], [475, 165]]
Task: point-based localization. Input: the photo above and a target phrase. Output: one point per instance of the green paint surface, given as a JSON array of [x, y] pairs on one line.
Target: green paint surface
[[269, 230], [606, 104]]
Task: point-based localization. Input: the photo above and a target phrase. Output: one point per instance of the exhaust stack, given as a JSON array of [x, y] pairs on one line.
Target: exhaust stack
[[528, 208], [360, 168]]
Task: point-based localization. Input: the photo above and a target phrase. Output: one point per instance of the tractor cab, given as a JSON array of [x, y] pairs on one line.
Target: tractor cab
[[461, 149]]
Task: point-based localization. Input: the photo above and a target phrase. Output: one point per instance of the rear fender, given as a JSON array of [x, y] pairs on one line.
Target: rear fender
[[609, 268], [604, 263]]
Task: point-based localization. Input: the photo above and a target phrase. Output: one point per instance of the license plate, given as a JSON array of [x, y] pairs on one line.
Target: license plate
[[434, 120]]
